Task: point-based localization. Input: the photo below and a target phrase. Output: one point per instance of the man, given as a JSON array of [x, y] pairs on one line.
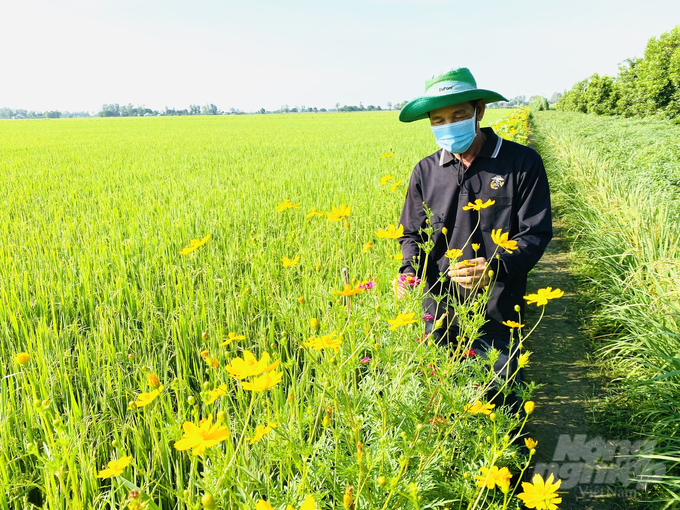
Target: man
[[473, 163]]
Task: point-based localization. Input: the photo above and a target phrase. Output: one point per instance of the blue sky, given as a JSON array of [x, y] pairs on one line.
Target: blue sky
[[78, 54]]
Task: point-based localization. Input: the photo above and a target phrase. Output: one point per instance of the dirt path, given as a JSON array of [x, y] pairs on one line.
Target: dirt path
[[570, 386]]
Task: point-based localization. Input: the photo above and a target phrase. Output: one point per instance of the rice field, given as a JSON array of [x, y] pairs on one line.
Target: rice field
[[198, 312]]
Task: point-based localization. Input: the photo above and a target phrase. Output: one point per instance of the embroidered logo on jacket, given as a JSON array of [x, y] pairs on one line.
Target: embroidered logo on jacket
[[497, 182]]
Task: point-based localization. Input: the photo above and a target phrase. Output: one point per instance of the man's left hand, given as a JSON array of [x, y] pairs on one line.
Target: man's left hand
[[470, 273]]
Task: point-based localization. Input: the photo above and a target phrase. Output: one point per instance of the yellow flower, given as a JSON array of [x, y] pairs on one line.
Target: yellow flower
[[144, 399], [263, 382], [249, 366], [478, 205], [476, 246], [211, 362], [153, 380], [542, 297], [348, 498], [385, 179], [396, 185], [23, 359], [531, 444], [398, 256], [386, 155], [288, 262], [445, 230], [503, 241], [367, 246], [493, 477], [213, 395], [391, 232], [232, 338], [314, 323], [263, 505], [308, 504], [260, 432], [314, 212], [523, 360], [348, 291], [513, 324], [541, 494], [286, 204], [529, 406], [478, 408], [403, 319], [201, 436], [339, 214], [324, 342], [115, 467], [194, 245], [453, 253]]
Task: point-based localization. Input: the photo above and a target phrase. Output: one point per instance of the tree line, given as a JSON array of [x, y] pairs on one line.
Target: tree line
[[644, 87], [19, 113], [129, 110], [115, 110]]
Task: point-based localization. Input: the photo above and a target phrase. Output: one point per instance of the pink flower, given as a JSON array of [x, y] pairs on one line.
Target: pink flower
[[365, 360], [408, 280], [428, 317], [367, 285], [469, 353], [432, 368]]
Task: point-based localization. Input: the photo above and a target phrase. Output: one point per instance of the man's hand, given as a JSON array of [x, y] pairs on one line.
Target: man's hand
[[401, 289], [470, 273]]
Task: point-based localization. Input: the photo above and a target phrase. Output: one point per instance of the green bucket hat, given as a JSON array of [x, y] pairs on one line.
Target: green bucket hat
[[444, 88]]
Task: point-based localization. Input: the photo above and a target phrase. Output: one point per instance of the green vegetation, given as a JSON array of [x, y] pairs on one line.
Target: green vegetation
[[616, 183], [539, 104], [117, 328], [644, 87]]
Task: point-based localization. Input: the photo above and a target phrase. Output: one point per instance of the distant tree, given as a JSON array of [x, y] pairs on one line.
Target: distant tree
[[322, 110], [337, 106], [294, 110], [555, 97], [597, 94], [574, 100], [538, 103], [194, 109], [601, 95], [110, 110], [389, 105], [399, 106], [53, 114], [209, 109], [648, 86]]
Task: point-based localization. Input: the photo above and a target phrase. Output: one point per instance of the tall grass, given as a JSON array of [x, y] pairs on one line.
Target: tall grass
[[616, 187]]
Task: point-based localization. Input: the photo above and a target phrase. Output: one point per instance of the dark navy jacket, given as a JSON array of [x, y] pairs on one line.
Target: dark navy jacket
[[509, 173]]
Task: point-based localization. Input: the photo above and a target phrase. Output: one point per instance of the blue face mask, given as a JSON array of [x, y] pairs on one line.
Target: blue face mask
[[457, 136]]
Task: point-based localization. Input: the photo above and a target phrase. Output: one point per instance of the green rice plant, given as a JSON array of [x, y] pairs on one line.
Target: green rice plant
[[200, 312]]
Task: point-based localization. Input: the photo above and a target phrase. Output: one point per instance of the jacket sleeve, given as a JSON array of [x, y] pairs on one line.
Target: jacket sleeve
[[413, 219], [534, 222]]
